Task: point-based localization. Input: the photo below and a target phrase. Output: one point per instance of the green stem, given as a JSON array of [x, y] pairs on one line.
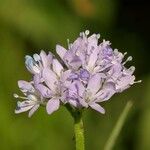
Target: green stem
[[79, 131], [78, 127]]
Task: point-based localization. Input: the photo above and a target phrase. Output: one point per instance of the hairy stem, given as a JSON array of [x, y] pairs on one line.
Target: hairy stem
[[79, 131], [78, 127]]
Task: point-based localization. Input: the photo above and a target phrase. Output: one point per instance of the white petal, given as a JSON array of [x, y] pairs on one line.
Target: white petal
[[23, 109], [52, 105], [32, 111], [97, 107], [57, 67], [61, 51], [31, 65]]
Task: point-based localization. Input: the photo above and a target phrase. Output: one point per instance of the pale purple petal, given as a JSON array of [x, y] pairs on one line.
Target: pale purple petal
[[71, 60], [44, 91], [46, 59], [92, 42], [61, 51], [97, 107], [52, 105], [77, 44], [80, 91], [64, 78], [95, 83], [105, 93], [57, 67], [37, 78], [84, 74], [50, 78], [92, 60], [115, 71], [124, 83], [25, 86]]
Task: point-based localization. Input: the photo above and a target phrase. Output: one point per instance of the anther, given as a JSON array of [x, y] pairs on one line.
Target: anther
[[87, 32], [139, 81], [16, 95], [128, 59], [116, 52], [68, 42], [125, 53], [98, 36]]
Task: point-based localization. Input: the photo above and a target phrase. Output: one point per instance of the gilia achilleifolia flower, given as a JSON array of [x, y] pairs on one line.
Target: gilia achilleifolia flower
[[93, 72]]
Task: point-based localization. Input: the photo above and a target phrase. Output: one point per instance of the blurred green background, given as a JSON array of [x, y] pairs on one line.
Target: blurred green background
[[27, 26]]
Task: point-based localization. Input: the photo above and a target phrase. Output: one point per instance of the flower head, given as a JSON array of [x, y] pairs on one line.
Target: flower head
[[97, 71], [93, 73]]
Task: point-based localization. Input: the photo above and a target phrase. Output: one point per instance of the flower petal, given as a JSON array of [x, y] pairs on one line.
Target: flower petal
[[45, 92], [50, 78], [25, 86], [61, 51], [32, 111], [97, 107], [46, 59], [80, 91], [124, 83], [92, 60], [31, 65], [106, 92], [57, 67], [71, 60], [52, 105], [22, 107], [95, 83], [93, 40]]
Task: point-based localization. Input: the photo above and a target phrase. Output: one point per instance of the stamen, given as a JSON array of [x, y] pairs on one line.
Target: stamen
[[139, 81], [132, 68], [125, 53], [87, 32], [32, 97], [116, 52], [81, 34], [17, 96], [68, 42], [98, 36], [128, 59]]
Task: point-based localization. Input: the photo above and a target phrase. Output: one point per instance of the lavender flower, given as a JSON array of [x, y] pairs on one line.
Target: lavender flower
[[46, 72], [97, 71], [94, 73], [32, 98]]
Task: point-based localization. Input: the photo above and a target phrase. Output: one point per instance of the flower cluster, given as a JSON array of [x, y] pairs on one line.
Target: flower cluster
[[91, 73]]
